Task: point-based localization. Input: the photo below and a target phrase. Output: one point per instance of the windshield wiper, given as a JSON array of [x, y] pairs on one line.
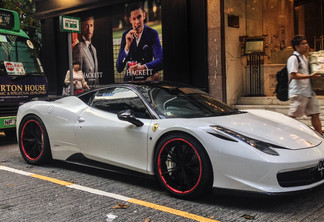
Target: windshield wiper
[[30, 73], [230, 113]]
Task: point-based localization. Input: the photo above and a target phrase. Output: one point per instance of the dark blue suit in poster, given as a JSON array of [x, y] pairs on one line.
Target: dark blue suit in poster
[[148, 52]]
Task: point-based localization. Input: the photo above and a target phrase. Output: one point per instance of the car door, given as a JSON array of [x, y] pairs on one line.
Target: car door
[[103, 137]]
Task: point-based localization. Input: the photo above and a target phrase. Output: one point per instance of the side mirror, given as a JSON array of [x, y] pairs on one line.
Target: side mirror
[[127, 115]]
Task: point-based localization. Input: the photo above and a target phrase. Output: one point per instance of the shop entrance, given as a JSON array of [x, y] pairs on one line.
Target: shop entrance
[[309, 21]]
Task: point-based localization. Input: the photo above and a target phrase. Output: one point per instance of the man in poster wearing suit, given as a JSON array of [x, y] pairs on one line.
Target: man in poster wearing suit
[[85, 53], [140, 49]]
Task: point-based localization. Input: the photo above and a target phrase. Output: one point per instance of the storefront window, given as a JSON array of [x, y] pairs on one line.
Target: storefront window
[[275, 22], [309, 22]]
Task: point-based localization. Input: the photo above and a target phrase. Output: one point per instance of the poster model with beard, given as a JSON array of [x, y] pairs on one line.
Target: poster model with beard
[[86, 54]]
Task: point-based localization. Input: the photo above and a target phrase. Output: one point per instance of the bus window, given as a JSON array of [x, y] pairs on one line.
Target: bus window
[[19, 49]]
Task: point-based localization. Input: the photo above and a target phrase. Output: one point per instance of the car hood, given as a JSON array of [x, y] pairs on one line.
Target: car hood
[[270, 127]]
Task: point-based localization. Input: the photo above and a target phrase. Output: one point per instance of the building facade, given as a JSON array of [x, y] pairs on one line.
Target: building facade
[[258, 37], [227, 48]]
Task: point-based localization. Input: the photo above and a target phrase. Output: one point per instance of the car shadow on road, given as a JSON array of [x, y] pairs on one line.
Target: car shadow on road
[[7, 140], [225, 198], [110, 172], [220, 197], [264, 202]]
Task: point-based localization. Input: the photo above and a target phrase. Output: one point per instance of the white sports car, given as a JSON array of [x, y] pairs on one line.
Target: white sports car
[[190, 141]]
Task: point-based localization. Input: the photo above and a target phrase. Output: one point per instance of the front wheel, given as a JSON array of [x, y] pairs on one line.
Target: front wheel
[[33, 141], [182, 166]]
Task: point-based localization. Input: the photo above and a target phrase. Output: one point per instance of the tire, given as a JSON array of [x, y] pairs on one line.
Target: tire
[[182, 166], [33, 141]]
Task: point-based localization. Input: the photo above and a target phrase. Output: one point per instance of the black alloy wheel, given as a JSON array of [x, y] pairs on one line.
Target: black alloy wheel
[[182, 166], [33, 141]]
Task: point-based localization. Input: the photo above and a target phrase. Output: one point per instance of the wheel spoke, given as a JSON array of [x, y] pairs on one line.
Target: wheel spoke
[[185, 183], [32, 150], [29, 140], [32, 132], [36, 149], [193, 171]]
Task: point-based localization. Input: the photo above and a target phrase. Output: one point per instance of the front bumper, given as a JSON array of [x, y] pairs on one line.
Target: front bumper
[[292, 170], [300, 177]]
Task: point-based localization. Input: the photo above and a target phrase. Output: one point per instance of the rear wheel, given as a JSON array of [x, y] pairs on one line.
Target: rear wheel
[[182, 166], [33, 141]]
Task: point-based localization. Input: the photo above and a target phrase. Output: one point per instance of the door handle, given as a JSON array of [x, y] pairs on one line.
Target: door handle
[[81, 120]]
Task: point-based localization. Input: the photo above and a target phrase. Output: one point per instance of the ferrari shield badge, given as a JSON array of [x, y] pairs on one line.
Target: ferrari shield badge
[[155, 127]]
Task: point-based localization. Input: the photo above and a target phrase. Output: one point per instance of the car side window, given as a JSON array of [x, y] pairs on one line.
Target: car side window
[[116, 99], [87, 98]]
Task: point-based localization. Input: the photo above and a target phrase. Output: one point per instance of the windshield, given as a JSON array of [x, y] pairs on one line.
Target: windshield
[[184, 102], [18, 56]]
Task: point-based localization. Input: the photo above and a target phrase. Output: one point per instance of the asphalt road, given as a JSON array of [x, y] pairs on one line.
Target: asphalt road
[[52, 193]]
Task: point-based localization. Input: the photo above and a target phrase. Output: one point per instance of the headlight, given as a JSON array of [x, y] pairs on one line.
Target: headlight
[[262, 146]]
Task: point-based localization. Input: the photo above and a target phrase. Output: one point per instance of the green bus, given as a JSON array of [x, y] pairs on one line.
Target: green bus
[[22, 77]]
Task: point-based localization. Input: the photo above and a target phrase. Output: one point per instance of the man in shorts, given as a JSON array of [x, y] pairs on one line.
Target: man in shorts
[[302, 97]]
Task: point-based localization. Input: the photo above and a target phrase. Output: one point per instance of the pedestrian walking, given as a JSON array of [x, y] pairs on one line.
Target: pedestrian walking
[[302, 97]]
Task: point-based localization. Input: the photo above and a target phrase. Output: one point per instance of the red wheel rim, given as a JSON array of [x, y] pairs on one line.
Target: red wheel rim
[[32, 140], [179, 166]]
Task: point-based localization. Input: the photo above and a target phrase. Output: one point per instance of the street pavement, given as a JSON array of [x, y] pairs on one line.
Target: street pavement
[[28, 198]]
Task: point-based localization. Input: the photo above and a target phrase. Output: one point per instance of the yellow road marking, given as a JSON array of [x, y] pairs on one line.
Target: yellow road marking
[[53, 180], [171, 210], [112, 195]]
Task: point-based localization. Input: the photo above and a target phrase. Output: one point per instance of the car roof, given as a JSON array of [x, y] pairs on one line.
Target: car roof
[[158, 84], [138, 85], [152, 84]]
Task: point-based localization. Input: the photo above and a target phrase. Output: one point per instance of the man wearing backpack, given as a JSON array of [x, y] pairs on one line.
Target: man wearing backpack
[[302, 97]]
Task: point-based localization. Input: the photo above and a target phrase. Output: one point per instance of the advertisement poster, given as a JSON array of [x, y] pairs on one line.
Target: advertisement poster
[[137, 36], [105, 34], [85, 54]]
